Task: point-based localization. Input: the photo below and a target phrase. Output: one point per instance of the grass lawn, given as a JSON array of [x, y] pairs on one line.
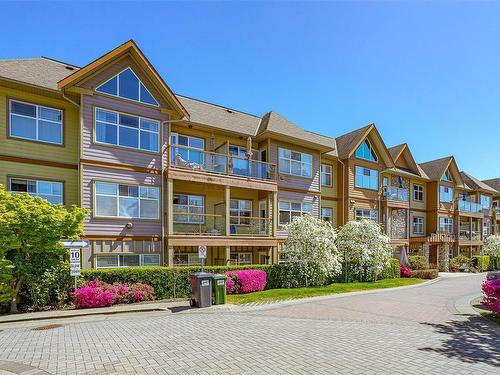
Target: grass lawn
[[491, 316], [336, 288]]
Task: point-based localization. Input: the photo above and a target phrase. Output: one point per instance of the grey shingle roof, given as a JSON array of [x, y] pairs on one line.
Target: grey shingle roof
[[395, 150], [220, 117], [476, 184], [435, 169], [41, 71], [275, 123], [494, 183]]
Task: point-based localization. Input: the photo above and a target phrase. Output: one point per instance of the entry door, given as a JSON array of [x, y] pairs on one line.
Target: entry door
[[263, 257], [263, 215], [433, 254]]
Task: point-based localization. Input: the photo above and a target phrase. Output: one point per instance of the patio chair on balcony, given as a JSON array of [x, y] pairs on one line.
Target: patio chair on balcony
[[179, 161]]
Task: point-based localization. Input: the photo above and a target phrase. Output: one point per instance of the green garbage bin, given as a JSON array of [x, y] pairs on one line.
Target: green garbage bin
[[219, 289]]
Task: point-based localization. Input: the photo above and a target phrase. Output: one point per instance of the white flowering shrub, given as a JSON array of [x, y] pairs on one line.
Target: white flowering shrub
[[492, 245], [311, 251], [365, 250]]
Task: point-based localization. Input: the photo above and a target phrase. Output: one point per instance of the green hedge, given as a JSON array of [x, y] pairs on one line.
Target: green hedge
[[392, 270], [425, 274], [481, 262], [418, 262], [168, 282], [494, 263]]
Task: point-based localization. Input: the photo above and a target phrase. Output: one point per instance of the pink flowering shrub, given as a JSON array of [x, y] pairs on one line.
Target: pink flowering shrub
[[405, 271], [97, 293], [245, 281], [491, 298]]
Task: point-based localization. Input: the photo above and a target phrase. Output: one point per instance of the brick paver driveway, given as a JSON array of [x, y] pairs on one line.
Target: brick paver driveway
[[420, 330]]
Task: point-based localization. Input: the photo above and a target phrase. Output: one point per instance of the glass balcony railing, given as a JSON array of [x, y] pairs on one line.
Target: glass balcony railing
[[200, 160], [396, 194], [249, 226], [201, 224], [469, 206], [466, 234]]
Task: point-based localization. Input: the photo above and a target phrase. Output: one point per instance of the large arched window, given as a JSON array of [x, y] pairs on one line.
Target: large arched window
[[365, 151], [447, 176], [127, 85]]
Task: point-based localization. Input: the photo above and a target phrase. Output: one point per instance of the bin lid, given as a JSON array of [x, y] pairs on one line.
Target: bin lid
[[202, 274], [218, 276]]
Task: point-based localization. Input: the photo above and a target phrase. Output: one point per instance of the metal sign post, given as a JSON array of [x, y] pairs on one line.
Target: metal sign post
[[202, 255], [74, 246]]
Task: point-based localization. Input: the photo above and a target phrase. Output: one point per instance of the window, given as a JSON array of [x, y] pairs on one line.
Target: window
[[447, 176], [240, 211], [35, 122], [362, 213], [289, 210], [445, 194], [326, 175], [365, 151], [418, 225], [418, 192], [118, 129], [241, 258], [127, 85], [295, 163], [190, 153], [446, 224], [486, 228], [189, 209], [126, 260], [49, 190], [327, 214], [485, 202], [132, 201], [366, 178], [186, 259]]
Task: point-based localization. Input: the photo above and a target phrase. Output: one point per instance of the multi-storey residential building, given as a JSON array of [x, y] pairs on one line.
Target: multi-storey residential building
[[163, 173], [495, 185]]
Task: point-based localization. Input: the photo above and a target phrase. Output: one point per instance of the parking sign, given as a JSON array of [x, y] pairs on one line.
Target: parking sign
[[202, 252]]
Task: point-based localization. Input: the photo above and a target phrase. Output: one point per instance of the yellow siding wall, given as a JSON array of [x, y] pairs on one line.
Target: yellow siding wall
[[331, 191], [69, 177], [68, 153]]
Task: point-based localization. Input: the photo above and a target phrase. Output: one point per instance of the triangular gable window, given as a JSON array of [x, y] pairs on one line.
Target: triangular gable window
[[127, 85], [447, 176], [365, 151]]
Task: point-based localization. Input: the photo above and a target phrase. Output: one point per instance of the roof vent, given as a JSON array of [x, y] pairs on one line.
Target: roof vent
[[69, 67], [229, 111]]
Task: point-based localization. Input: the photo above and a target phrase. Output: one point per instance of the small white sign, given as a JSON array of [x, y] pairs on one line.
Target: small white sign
[[75, 270], [74, 262], [202, 252], [220, 282], [205, 282]]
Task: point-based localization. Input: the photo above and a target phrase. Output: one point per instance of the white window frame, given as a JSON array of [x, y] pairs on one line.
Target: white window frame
[[240, 220], [290, 210], [118, 89], [446, 224], [484, 198], [330, 216], [418, 222], [303, 164], [486, 228], [445, 190], [37, 184], [37, 120], [118, 196], [418, 190], [326, 170], [118, 126], [360, 171], [239, 256], [366, 213], [189, 214], [119, 265]]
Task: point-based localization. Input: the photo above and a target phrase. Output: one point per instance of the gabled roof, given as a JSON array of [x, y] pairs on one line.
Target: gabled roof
[[348, 143], [476, 184], [274, 123], [220, 117], [493, 183], [131, 48], [403, 150], [435, 169], [40, 71]]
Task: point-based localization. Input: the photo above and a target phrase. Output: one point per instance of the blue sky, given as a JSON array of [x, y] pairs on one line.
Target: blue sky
[[425, 73]]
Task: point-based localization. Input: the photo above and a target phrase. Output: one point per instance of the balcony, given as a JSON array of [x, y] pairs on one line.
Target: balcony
[[469, 206], [396, 194], [466, 234], [215, 225], [197, 160]]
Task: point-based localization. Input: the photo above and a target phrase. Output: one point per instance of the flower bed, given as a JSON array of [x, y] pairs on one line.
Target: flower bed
[[245, 281], [96, 293], [491, 298], [405, 271]]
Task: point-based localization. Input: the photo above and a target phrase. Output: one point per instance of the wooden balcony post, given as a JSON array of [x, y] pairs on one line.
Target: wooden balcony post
[[170, 206], [275, 214], [227, 206], [170, 256]]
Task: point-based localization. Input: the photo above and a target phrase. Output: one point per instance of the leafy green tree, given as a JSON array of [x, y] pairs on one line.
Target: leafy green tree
[[33, 227]]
